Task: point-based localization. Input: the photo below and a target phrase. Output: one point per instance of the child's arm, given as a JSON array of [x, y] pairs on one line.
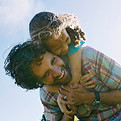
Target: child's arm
[[75, 64], [77, 77]]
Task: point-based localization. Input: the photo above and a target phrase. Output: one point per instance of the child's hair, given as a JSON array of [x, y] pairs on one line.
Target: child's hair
[[44, 24]]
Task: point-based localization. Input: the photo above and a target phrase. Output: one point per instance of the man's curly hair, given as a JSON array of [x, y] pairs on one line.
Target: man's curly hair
[[18, 64], [43, 22]]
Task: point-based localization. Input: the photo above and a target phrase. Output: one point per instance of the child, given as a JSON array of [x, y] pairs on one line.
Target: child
[[61, 35]]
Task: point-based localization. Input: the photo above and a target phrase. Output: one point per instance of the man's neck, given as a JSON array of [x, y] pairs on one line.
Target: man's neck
[[51, 88], [56, 87]]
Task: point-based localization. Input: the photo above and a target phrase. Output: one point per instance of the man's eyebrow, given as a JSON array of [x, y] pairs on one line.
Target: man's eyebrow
[[39, 60]]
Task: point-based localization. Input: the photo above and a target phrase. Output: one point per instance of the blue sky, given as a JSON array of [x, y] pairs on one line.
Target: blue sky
[[100, 20]]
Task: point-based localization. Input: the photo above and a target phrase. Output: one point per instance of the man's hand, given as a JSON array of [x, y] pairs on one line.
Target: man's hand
[[75, 94], [68, 110]]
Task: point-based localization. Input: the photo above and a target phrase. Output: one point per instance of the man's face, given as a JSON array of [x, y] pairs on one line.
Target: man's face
[[51, 70]]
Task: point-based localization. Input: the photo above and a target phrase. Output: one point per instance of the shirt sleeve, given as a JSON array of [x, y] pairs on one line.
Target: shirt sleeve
[[73, 49], [107, 70], [52, 111]]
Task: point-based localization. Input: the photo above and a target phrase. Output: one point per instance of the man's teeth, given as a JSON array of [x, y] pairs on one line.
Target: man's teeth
[[61, 76]]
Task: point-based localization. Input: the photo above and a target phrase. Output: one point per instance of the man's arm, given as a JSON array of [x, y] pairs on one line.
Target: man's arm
[[111, 98], [78, 95]]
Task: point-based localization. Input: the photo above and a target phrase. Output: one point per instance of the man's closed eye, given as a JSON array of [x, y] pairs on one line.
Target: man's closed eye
[[53, 60]]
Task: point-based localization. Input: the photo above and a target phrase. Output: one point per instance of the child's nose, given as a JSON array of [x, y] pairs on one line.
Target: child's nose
[[64, 50]]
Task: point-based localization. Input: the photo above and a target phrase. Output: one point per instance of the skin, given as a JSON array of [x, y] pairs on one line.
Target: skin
[[51, 70], [77, 95], [58, 44], [76, 90]]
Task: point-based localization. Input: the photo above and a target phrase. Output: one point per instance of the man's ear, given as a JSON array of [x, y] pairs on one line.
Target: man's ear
[[40, 85]]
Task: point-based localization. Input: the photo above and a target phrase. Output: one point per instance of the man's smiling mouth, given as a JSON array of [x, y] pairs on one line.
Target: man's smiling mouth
[[62, 74]]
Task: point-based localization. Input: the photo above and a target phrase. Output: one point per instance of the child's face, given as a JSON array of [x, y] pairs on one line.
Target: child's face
[[58, 44]]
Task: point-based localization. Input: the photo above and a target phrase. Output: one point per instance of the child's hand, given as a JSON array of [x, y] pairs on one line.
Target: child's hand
[[86, 83], [68, 110]]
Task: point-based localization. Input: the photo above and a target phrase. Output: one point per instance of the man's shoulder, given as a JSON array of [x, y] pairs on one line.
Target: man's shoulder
[[48, 97]]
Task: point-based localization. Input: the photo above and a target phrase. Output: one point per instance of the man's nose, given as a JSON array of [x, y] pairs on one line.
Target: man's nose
[[55, 71]]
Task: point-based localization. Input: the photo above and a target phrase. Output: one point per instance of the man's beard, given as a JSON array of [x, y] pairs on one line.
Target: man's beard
[[68, 70]]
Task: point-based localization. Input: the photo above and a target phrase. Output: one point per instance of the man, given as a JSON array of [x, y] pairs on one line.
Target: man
[[32, 67]]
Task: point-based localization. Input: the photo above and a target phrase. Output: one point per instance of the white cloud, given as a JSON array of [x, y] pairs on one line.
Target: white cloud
[[15, 14]]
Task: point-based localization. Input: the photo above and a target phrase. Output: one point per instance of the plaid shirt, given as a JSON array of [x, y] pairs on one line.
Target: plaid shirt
[[108, 77]]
